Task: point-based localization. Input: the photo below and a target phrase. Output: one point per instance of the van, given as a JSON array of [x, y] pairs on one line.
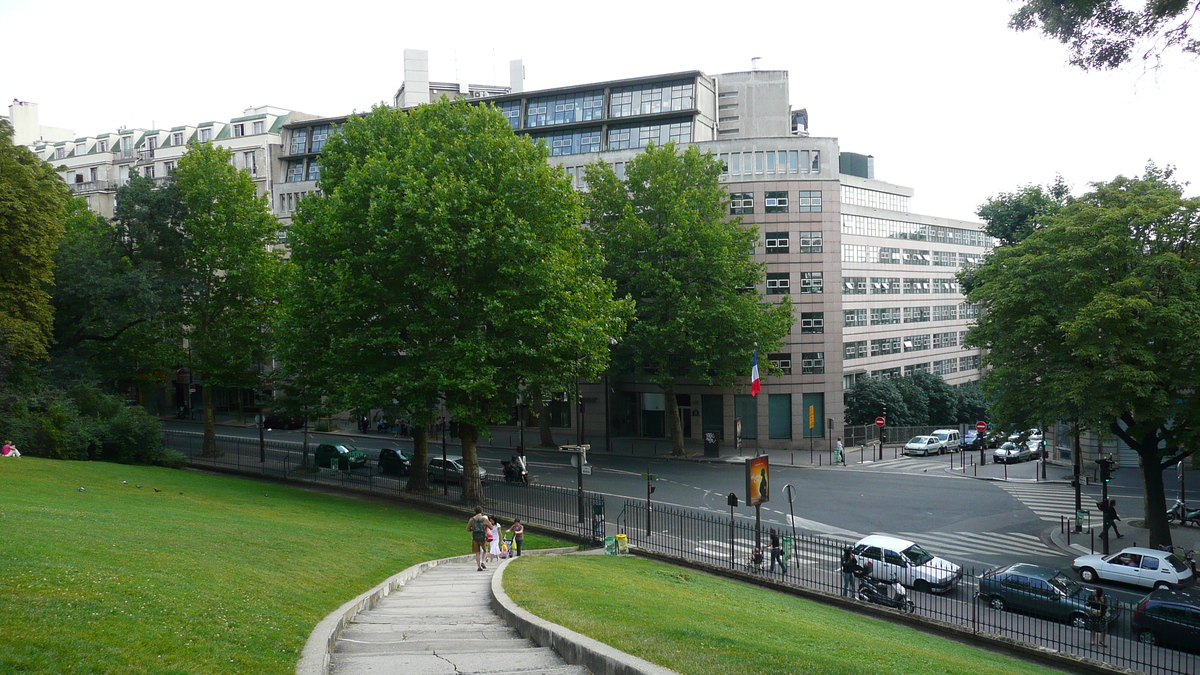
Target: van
[[950, 438]]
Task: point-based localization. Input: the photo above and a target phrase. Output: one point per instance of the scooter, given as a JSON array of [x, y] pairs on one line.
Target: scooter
[[1182, 513], [513, 473], [891, 594]]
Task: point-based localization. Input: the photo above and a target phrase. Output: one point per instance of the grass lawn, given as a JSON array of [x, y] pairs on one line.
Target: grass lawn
[[699, 624], [230, 576]]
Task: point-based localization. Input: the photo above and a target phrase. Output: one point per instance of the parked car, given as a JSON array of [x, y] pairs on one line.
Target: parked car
[[923, 445], [347, 456], [908, 563], [453, 469], [1028, 435], [1169, 617], [1012, 452], [950, 438], [972, 440], [1039, 590], [1137, 566], [396, 461], [282, 421]]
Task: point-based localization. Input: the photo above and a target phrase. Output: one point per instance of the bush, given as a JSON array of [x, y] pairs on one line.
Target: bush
[[131, 436]]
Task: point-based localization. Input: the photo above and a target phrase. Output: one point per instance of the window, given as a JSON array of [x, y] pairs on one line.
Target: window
[[916, 368], [916, 285], [883, 316], [93, 172], [897, 229], [885, 285], [854, 253], [258, 127], [854, 317], [916, 314], [969, 362], [102, 146], [295, 171], [741, 203], [854, 285], [779, 283], [80, 149], [945, 312], [942, 340], [239, 130], [314, 170], [628, 136], [571, 142], [811, 242], [968, 311], [206, 135], [781, 361], [916, 343], [775, 202], [889, 256], [812, 282], [915, 257], [512, 111], [647, 99], [777, 242], [874, 199], [177, 138], [250, 161], [945, 367], [169, 168], [320, 134], [886, 373], [808, 201], [812, 322], [148, 172], [854, 350], [945, 259], [60, 153], [299, 142], [885, 346], [812, 363], [945, 286]]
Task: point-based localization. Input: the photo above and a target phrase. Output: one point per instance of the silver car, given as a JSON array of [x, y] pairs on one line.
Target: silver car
[[452, 469], [1012, 452]]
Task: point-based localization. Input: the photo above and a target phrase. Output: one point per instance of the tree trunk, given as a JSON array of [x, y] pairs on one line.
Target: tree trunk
[[674, 428], [1155, 501], [418, 480], [546, 436], [209, 447], [472, 488]]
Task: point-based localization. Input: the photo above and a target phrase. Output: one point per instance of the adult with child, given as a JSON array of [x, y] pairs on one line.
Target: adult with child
[[518, 533], [493, 537]]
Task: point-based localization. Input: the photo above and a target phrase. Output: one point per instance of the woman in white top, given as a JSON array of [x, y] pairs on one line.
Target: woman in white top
[[494, 552]]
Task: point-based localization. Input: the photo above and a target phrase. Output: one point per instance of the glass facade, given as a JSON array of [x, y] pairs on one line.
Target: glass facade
[[571, 142], [626, 136], [647, 99], [564, 109]]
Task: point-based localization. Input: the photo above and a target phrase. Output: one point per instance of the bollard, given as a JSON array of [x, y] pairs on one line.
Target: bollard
[[1006, 471], [976, 466], [1092, 545], [819, 460]]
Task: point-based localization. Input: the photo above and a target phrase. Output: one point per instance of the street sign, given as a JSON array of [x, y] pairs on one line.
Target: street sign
[[587, 470], [981, 427], [879, 421]]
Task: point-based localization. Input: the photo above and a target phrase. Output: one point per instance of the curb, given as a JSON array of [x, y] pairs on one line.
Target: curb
[[574, 648]]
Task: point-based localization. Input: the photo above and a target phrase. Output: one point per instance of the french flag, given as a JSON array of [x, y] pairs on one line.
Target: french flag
[[755, 383]]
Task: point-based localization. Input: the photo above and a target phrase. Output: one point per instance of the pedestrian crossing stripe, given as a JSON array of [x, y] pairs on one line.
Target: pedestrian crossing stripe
[[1051, 502], [982, 543], [744, 547]]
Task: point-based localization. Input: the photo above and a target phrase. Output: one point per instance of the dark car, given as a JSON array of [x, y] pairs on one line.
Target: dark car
[[972, 440], [347, 456], [1039, 590], [396, 461], [1169, 617], [452, 468], [282, 421]]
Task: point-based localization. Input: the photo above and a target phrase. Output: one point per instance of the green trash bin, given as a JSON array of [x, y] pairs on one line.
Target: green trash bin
[[610, 545]]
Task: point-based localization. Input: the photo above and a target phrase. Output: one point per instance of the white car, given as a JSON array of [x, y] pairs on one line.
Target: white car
[[908, 563], [1138, 566], [1012, 452], [923, 445]]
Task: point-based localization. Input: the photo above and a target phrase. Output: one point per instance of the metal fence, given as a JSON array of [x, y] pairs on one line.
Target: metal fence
[[869, 433], [814, 562], [575, 513]]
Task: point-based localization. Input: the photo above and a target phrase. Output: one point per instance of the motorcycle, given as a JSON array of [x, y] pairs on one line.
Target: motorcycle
[[892, 594], [1180, 511], [513, 473]]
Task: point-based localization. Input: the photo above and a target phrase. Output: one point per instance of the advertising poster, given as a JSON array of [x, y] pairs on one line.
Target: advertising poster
[[757, 487]]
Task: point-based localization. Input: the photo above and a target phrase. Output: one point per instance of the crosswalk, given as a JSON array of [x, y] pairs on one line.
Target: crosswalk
[[742, 549], [972, 544], [903, 464], [1050, 501]]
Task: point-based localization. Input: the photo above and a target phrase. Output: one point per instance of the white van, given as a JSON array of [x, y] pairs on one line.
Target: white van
[[951, 440]]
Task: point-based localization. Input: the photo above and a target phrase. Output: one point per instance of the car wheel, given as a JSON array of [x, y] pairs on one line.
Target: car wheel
[[996, 602], [1161, 585], [1078, 620], [1146, 637], [921, 585], [1088, 574]]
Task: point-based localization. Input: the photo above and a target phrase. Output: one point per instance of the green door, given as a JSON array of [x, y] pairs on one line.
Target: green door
[[779, 415]]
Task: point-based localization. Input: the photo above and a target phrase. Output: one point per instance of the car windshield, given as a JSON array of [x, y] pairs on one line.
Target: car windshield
[[922, 440], [1066, 585], [917, 555], [942, 436]]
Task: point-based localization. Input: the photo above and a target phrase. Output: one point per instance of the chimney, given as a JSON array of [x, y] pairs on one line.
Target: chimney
[[516, 76]]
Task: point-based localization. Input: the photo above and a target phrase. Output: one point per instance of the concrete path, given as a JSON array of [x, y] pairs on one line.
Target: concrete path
[[441, 623]]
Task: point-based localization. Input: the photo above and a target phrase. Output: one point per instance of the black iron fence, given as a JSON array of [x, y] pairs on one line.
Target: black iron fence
[[578, 514], [814, 562]]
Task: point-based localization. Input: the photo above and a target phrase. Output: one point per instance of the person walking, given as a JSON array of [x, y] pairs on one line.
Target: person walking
[[1109, 509], [839, 454], [478, 527], [1097, 619], [518, 533], [494, 540], [776, 552], [849, 567]]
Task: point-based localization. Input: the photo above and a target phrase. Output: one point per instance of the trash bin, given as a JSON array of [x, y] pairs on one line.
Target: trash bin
[[622, 543], [1080, 515], [610, 546], [712, 444]]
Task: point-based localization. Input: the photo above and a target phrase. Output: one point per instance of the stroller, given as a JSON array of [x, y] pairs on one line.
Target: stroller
[[887, 594], [507, 547]]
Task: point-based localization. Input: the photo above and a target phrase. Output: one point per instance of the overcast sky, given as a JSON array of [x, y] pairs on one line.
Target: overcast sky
[[947, 98]]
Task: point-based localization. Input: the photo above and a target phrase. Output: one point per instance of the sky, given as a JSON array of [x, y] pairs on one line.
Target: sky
[[948, 99]]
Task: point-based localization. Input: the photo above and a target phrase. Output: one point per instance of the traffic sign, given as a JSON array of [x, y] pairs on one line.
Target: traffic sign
[[879, 421], [981, 427]]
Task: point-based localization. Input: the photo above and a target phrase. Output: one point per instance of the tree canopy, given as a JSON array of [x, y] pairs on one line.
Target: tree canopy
[[1106, 34], [445, 260], [1095, 317], [920, 399], [670, 246], [33, 201]]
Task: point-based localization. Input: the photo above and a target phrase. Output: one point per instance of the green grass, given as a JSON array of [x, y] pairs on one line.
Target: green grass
[[229, 577], [699, 624]]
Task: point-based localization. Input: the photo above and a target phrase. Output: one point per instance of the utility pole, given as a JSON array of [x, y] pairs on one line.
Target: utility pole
[[1076, 480], [650, 478], [1106, 466]]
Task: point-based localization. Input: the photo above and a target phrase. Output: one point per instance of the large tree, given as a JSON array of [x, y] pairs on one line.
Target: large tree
[[1104, 34], [33, 201], [450, 265], [231, 272], [671, 247], [1095, 319]]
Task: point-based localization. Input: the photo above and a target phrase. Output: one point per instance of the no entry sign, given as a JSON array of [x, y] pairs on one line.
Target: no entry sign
[[981, 427], [879, 421]]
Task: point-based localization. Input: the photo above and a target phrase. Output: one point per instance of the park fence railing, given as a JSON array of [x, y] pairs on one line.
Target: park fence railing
[[814, 562], [578, 514]]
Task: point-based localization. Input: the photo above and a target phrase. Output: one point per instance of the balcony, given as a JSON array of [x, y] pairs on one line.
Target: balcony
[[93, 186]]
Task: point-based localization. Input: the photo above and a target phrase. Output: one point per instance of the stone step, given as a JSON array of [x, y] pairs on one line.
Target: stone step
[[434, 663], [442, 646]]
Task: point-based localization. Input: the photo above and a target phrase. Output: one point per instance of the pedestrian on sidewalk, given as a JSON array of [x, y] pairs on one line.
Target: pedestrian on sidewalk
[[494, 537], [1109, 509], [518, 533], [1097, 619], [776, 552], [839, 454], [478, 527], [849, 568]]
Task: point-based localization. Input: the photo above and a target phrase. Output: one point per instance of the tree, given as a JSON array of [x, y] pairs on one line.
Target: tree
[[1105, 34], [231, 271], [448, 264], [33, 201], [1095, 319], [670, 246], [868, 398], [1012, 216]]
